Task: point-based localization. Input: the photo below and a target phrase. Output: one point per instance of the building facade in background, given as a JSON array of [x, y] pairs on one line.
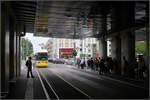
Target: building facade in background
[[63, 48]]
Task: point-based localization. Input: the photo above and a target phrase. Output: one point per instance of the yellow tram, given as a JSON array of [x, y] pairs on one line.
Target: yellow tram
[[41, 59]]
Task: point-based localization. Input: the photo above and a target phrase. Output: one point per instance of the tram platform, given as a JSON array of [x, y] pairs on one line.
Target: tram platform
[[26, 88], [123, 79]]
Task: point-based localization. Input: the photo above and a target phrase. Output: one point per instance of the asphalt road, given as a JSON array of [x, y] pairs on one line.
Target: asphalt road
[[59, 81]]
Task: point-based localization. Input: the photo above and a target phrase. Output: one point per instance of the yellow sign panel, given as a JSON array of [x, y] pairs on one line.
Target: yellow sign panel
[[67, 53]]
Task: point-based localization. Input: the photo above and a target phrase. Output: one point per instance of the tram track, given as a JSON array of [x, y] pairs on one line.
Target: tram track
[[58, 88]]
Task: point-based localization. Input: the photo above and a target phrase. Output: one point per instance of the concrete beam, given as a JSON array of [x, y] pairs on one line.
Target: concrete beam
[[126, 30]]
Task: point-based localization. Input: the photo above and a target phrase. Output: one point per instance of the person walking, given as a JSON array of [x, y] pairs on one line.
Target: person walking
[[102, 66], [97, 63], [92, 64], [82, 63], [116, 67], [141, 68], [29, 66], [88, 63], [78, 62]]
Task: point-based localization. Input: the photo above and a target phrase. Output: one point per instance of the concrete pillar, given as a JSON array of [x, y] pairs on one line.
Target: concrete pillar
[[147, 36], [17, 52], [18, 32], [147, 46], [116, 47], [120, 22], [103, 48], [12, 49], [116, 24], [5, 35], [127, 48], [116, 50], [103, 30], [19, 56], [0, 44]]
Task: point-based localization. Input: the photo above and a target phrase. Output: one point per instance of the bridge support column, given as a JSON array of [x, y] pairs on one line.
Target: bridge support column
[[147, 46], [147, 37], [18, 56], [121, 23], [12, 49], [116, 50], [5, 35], [127, 49], [102, 41], [103, 48]]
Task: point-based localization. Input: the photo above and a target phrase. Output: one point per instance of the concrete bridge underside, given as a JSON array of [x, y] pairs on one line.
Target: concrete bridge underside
[[122, 23]]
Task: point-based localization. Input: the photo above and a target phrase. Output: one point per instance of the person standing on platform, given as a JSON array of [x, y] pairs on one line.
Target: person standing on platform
[[29, 66]]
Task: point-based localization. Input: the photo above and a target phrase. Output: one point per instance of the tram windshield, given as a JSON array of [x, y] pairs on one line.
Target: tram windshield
[[42, 56]]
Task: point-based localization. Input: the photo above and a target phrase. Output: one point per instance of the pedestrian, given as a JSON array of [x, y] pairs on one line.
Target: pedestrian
[[97, 63], [29, 66], [82, 63], [125, 66], [111, 65], [88, 63], [78, 62], [141, 68], [92, 64], [116, 67], [131, 71], [107, 65], [102, 66]]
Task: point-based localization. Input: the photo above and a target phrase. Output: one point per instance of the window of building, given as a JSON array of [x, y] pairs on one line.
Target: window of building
[[89, 50], [89, 40], [66, 45], [89, 45], [59, 44], [81, 44], [62, 44], [59, 41], [71, 43]]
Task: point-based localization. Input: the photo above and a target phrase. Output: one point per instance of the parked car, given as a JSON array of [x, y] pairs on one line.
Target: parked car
[[70, 62], [58, 61], [50, 59]]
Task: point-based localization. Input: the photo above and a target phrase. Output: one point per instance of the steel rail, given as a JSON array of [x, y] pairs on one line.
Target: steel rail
[[45, 91], [50, 86], [73, 86]]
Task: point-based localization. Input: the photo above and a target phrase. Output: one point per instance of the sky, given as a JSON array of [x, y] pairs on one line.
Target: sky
[[36, 41]]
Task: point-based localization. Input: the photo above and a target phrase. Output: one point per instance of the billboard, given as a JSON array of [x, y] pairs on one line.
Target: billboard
[[66, 53]]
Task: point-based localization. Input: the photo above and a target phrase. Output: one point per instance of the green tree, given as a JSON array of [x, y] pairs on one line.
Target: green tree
[[140, 47], [27, 48]]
